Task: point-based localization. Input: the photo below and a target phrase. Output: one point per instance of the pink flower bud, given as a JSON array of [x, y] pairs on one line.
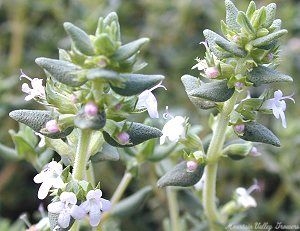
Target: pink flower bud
[[123, 138], [254, 152], [91, 109], [52, 126], [211, 72], [239, 128], [191, 165]]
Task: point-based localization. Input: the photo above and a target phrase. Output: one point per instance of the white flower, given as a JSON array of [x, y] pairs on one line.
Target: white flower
[[244, 199], [95, 205], [147, 100], [174, 129], [49, 177], [37, 90], [277, 105], [66, 208]]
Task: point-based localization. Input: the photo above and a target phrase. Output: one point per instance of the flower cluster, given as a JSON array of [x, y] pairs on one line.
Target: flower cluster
[[66, 207]]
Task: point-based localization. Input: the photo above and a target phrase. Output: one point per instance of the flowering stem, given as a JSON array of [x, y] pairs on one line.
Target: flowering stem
[[173, 208], [81, 154], [213, 154]]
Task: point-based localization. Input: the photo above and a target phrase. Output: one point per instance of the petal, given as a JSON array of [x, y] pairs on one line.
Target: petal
[[68, 197], [56, 207], [85, 206], [26, 88], [276, 112], [162, 139], [95, 214], [37, 84], [106, 204], [141, 103], [29, 97], [278, 94], [77, 212], [44, 189], [283, 120], [151, 105], [64, 219], [39, 178], [55, 167]]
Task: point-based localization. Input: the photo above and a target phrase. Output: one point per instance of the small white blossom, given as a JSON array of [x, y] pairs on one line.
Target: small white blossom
[[49, 177], [37, 89], [244, 199], [95, 205], [66, 208], [174, 129], [277, 105], [147, 100]]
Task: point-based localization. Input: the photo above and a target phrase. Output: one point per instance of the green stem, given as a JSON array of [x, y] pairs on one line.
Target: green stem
[[213, 155], [121, 188], [173, 208], [127, 177], [82, 154]]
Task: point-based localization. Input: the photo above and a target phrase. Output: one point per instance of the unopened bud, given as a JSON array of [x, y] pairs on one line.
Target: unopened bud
[[91, 109], [239, 129], [254, 152], [211, 72], [191, 166], [52, 126], [238, 151], [123, 138]]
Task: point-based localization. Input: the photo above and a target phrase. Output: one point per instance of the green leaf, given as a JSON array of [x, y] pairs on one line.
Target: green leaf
[[63, 71], [62, 102], [179, 176], [134, 84], [211, 37], [276, 25], [36, 119], [80, 39], [23, 148], [251, 9], [112, 20], [230, 47], [259, 18], [131, 204], [268, 39], [216, 91], [129, 49], [257, 132], [270, 15], [190, 83], [231, 15], [106, 75], [8, 153], [104, 45], [265, 75], [245, 23], [108, 152], [138, 133]]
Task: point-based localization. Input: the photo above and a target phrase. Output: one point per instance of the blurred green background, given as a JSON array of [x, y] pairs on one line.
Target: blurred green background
[[33, 28]]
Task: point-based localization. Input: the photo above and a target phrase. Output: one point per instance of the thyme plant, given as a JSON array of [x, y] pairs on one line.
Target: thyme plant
[[91, 90]]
